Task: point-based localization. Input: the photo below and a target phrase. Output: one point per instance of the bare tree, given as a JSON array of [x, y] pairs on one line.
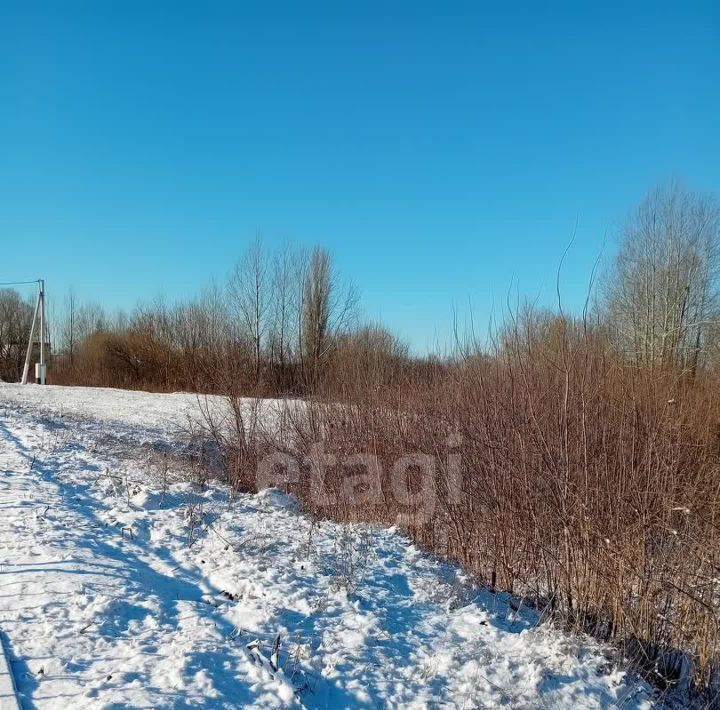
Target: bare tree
[[325, 311], [283, 306], [663, 294], [248, 289], [198, 333], [68, 327], [15, 319], [91, 319]]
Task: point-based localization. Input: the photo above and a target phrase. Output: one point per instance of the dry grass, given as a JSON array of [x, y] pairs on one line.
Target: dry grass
[[554, 471]]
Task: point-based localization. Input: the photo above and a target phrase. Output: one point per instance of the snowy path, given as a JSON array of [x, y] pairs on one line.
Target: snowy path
[[119, 589]]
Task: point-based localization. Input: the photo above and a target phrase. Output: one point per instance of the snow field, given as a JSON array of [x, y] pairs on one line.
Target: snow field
[[123, 587]]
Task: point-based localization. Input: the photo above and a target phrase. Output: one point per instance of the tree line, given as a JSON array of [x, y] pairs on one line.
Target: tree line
[[274, 327], [286, 322]]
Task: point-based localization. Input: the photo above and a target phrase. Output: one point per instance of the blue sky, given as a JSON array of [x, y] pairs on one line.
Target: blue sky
[[441, 151]]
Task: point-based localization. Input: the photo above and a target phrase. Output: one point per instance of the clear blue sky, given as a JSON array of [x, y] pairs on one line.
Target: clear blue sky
[[440, 150]]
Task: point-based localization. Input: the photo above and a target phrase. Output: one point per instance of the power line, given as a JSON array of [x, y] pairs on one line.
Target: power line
[[19, 283]]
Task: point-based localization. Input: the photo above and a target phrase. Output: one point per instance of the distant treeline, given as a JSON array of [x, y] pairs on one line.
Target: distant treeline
[[279, 325], [285, 322]]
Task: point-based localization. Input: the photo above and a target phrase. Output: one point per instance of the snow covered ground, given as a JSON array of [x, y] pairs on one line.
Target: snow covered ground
[[122, 585]]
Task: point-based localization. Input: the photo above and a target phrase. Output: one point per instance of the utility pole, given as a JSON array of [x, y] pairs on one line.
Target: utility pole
[[40, 368]]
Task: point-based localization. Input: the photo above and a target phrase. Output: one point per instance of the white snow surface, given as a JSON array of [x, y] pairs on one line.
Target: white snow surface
[[122, 586]]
